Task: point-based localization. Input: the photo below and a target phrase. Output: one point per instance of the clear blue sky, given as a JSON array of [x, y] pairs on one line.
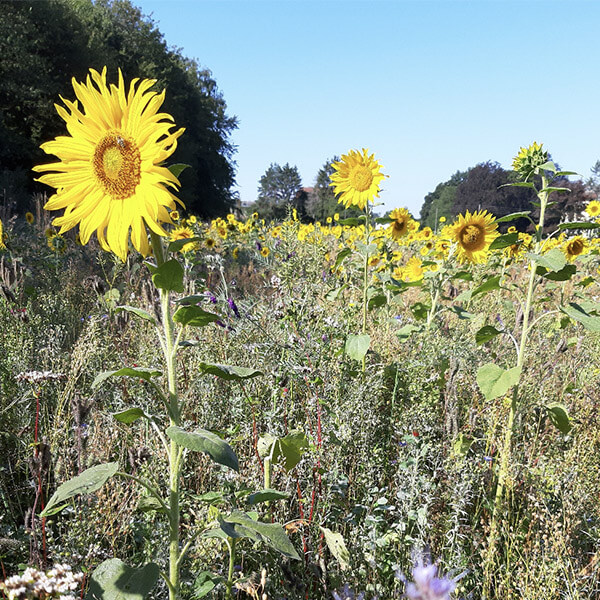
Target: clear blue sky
[[431, 87]]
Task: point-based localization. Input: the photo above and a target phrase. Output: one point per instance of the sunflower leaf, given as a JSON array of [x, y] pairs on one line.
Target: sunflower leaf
[[178, 168], [491, 283], [578, 313], [205, 441], [495, 381], [114, 580], [514, 216], [357, 346], [560, 417], [177, 245], [579, 225], [169, 276], [503, 241], [138, 312], [485, 334], [194, 316], [553, 261], [337, 547]]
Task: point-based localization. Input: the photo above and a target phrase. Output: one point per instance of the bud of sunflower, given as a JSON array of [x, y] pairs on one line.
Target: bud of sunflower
[[529, 160]]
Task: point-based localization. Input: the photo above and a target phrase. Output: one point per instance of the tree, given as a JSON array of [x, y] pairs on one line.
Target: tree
[[440, 202], [44, 44], [278, 192]]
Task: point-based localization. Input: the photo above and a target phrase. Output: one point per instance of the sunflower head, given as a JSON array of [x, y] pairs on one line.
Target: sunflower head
[[264, 252], [413, 270], [57, 243], [574, 247], [401, 224], [29, 218], [356, 179], [593, 208], [109, 177], [473, 234], [183, 233], [2, 244], [529, 160]]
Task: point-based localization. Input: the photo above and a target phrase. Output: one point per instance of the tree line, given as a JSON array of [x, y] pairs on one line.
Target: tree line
[[44, 44]]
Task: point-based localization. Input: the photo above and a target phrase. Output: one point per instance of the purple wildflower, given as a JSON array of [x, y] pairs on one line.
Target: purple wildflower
[[233, 307], [427, 586], [258, 246], [211, 297]]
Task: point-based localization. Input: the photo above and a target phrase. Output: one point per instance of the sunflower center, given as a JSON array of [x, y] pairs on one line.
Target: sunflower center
[[472, 237], [575, 247], [361, 178], [117, 165]]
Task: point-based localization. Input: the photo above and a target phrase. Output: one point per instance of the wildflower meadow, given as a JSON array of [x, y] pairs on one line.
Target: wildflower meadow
[[357, 407]]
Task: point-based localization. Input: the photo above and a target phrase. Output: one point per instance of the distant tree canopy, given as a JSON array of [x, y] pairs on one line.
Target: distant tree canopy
[[44, 44], [279, 191], [484, 187]]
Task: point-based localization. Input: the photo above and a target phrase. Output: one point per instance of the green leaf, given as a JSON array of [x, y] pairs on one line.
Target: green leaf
[[485, 334], [352, 221], [514, 216], [547, 166], [333, 295], [89, 481], [357, 346], [266, 495], [130, 415], [272, 534], [464, 275], [560, 417], [188, 300], [420, 310], [205, 583], [492, 283], [229, 372], [549, 190], [205, 441], [337, 547], [150, 504], [193, 316], [384, 220], [565, 173], [503, 241], [178, 168], [291, 448], [563, 275], [579, 225], [144, 374], [376, 301], [114, 580], [577, 313], [339, 259], [405, 332], [553, 261], [527, 184], [177, 245], [460, 312], [143, 314], [169, 276], [494, 381]]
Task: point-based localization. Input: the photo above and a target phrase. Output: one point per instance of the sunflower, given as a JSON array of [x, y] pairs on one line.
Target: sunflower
[[356, 178], [400, 226], [473, 234], [29, 218], [529, 160], [108, 178], [593, 208], [413, 270], [183, 233], [210, 243], [574, 247], [264, 252], [2, 245]]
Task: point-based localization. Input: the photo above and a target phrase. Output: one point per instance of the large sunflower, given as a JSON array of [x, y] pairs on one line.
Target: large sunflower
[[356, 178], [109, 178], [473, 234]]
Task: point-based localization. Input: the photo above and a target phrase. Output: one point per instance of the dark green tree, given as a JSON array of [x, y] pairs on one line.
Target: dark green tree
[[440, 202], [279, 191], [44, 44]]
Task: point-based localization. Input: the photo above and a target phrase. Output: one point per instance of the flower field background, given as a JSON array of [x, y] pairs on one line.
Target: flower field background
[[362, 353]]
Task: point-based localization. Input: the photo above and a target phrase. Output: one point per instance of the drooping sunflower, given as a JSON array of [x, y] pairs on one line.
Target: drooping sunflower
[[593, 208], [184, 233], [356, 179], [109, 177], [575, 247], [473, 234], [401, 224]]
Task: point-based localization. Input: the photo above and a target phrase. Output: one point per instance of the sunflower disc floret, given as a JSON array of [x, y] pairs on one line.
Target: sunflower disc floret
[[356, 179], [109, 177], [473, 234]]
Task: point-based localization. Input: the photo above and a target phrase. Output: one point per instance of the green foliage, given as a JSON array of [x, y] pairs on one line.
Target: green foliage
[[279, 191], [114, 580]]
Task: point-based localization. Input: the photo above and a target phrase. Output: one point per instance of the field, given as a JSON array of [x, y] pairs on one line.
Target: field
[[372, 382]]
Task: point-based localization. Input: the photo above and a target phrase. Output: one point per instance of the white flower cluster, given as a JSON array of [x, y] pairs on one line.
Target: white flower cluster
[[38, 376], [55, 583]]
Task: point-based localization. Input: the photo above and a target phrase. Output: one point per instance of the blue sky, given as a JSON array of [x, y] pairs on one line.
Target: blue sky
[[431, 87]]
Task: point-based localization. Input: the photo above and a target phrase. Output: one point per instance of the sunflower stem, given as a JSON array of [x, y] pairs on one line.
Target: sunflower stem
[[507, 443], [366, 279], [170, 354]]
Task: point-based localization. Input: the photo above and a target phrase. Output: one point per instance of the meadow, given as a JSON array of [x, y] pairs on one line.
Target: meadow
[[354, 408]]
